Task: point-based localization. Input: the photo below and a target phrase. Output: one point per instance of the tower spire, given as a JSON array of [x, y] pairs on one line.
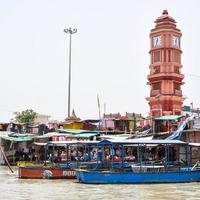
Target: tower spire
[[165, 12]]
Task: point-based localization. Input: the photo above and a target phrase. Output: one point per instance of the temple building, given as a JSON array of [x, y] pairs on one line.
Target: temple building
[[165, 78]]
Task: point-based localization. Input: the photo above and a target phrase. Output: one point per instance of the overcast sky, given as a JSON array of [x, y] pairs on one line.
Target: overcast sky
[[109, 54]]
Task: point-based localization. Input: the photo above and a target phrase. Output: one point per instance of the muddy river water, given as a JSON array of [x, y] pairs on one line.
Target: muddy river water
[[13, 188]]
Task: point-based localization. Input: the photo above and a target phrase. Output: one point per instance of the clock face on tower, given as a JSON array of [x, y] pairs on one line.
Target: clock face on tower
[[175, 41], [157, 41]]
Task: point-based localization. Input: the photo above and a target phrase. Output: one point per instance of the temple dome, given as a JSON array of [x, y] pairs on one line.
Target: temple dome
[[165, 21]]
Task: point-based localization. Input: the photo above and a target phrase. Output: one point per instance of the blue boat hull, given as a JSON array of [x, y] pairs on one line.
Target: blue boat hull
[[136, 178]]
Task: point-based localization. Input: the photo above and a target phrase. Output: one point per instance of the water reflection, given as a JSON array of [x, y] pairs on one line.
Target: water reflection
[[13, 188]]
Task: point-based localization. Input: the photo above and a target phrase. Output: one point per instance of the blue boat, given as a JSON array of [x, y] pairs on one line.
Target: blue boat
[[175, 167]]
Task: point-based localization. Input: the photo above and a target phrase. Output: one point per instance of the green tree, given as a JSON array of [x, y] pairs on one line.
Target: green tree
[[25, 117]]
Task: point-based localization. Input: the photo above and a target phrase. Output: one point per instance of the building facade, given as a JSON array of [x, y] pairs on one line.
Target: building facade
[[165, 78]]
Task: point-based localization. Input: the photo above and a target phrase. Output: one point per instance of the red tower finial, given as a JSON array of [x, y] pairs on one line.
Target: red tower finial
[[165, 12]]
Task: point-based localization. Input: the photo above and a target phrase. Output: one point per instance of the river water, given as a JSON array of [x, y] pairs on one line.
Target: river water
[[12, 188]]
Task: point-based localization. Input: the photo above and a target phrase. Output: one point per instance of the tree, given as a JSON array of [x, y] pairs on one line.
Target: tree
[[26, 117]]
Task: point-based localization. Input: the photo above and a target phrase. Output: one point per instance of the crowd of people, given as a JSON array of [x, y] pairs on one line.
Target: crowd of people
[[106, 153]]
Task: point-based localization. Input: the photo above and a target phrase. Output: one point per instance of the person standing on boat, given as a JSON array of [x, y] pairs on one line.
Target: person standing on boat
[[94, 155], [99, 154], [64, 155], [112, 153], [59, 152]]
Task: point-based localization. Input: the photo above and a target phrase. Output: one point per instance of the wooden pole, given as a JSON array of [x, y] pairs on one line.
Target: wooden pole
[[6, 159]]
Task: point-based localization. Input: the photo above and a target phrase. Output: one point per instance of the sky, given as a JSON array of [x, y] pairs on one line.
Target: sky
[[110, 55]]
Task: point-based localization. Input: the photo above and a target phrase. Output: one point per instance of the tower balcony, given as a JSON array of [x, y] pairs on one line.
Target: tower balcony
[[155, 93], [165, 76], [177, 92]]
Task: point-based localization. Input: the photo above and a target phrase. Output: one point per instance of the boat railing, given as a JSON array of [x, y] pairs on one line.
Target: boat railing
[[136, 167], [173, 166], [161, 168], [87, 165], [196, 165]]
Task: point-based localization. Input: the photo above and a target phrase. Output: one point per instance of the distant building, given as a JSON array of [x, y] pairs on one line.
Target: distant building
[[42, 119], [116, 122], [192, 136], [40, 125], [72, 122]]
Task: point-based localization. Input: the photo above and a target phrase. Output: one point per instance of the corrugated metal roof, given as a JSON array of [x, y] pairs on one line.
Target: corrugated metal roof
[[169, 117]]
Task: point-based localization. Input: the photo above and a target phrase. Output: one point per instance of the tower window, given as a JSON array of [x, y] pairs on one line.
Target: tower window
[[169, 56], [177, 86], [157, 86], [176, 69], [164, 55], [157, 56], [176, 56], [156, 69]]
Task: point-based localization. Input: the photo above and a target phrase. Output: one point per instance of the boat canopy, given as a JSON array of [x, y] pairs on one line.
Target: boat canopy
[[141, 141], [64, 143], [160, 142], [195, 144], [40, 143]]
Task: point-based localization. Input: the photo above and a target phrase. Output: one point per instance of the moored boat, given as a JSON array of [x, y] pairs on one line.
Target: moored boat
[[57, 166], [28, 163], [39, 172], [168, 170], [96, 176]]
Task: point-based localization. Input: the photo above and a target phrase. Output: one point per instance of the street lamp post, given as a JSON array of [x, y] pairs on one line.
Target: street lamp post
[[70, 31]]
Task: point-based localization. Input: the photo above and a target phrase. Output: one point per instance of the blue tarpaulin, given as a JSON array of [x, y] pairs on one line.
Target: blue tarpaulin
[[176, 135]]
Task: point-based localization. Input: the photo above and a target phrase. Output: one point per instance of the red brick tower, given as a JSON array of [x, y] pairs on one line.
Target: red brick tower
[[165, 78]]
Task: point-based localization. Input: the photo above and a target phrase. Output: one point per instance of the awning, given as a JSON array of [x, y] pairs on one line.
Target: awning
[[68, 134], [51, 134], [75, 131], [169, 117], [195, 144], [40, 143], [17, 139], [84, 135]]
